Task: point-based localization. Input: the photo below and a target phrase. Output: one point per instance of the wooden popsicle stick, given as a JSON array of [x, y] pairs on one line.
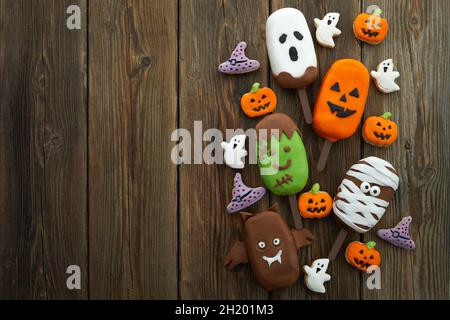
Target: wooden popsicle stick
[[324, 155], [305, 105], [337, 244], [295, 213]]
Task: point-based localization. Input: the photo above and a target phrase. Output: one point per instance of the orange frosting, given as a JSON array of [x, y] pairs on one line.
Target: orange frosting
[[341, 100]]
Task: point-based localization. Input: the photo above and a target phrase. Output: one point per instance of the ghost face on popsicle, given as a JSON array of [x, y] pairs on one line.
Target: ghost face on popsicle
[[341, 100], [365, 192], [281, 155], [291, 49]]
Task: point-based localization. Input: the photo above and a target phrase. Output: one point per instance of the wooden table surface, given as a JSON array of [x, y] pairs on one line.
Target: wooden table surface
[[86, 118]]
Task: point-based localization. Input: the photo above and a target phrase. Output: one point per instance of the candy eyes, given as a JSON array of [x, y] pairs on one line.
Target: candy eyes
[[261, 244], [365, 187], [276, 242], [375, 191], [354, 93], [298, 35], [282, 38]]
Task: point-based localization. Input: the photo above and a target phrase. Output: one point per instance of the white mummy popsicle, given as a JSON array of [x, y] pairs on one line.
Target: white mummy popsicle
[[291, 52]]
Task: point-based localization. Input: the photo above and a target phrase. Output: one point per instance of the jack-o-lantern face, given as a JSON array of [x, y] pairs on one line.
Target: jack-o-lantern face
[[259, 101], [370, 27], [342, 99], [380, 131], [362, 256], [315, 204]]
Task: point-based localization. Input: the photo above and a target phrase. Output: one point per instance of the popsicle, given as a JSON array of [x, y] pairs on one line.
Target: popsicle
[[291, 53], [362, 198], [282, 158], [340, 103]]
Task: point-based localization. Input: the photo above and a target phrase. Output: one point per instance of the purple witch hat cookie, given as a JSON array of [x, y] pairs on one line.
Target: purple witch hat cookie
[[244, 196], [399, 235], [238, 62]]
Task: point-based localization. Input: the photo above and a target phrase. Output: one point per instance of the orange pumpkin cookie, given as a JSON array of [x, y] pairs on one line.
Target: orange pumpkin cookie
[[362, 256], [315, 204], [341, 100], [259, 101], [380, 131], [370, 27]]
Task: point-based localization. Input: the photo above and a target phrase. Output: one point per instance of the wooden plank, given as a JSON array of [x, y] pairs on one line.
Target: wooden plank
[[43, 175], [417, 42], [345, 282], [132, 182], [209, 32]]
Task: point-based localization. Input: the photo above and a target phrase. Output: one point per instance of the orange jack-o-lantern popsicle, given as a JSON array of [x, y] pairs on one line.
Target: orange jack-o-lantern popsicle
[[340, 103]]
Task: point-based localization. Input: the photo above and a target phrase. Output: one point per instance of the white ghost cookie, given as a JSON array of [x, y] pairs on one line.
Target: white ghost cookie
[[385, 77], [316, 275], [326, 29], [234, 151]]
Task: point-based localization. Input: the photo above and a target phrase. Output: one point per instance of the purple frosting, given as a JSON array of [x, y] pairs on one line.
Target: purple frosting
[[238, 62], [244, 196], [399, 235]]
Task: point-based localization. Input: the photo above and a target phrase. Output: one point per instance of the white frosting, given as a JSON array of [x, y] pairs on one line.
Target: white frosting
[[326, 29], [276, 258], [288, 23], [316, 275], [234, 151], [359, 204], [385, 76]]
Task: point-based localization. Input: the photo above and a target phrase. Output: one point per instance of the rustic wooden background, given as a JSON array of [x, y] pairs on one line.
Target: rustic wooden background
[[85, 124]]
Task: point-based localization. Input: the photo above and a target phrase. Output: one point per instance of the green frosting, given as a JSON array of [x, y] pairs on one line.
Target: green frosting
[[283, 164]]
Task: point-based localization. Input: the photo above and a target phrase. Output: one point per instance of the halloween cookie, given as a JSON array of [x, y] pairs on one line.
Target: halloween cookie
[[282, 157], [259, 101], [370, 27], [364, 194], [270, 248], [291, 53], [244, 196], [380, 131], [316, 275], [399, 235], [326, 29], [340, 103], [385, 77], [362, 256], [238, 62], [234, 151], [315, 204]]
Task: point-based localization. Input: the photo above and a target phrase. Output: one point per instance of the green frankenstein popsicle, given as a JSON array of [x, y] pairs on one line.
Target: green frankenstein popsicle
[[282, 157]]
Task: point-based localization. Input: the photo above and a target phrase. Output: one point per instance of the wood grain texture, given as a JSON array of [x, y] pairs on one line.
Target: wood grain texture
[[416, 41], [209, 32], [43, 210], [132, 182], [345, 282]]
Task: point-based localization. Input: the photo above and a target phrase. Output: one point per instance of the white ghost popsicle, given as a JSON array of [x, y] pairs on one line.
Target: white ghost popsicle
[[291, 52]]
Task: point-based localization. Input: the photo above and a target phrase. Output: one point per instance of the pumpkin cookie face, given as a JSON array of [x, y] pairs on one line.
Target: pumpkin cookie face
[[370, 27], [380, 131], [259, 101], [315, 204], [281, 155], [341, 100], [362, 256]]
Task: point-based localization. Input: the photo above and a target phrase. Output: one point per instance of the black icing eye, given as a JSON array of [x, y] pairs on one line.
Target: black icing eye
[[378, 124], [322, 200], [298, 35], [390, 127], [361, 251], [310, 201], [252, 100], [335, 87], [355, 93], [263, 96], [283, 38]]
